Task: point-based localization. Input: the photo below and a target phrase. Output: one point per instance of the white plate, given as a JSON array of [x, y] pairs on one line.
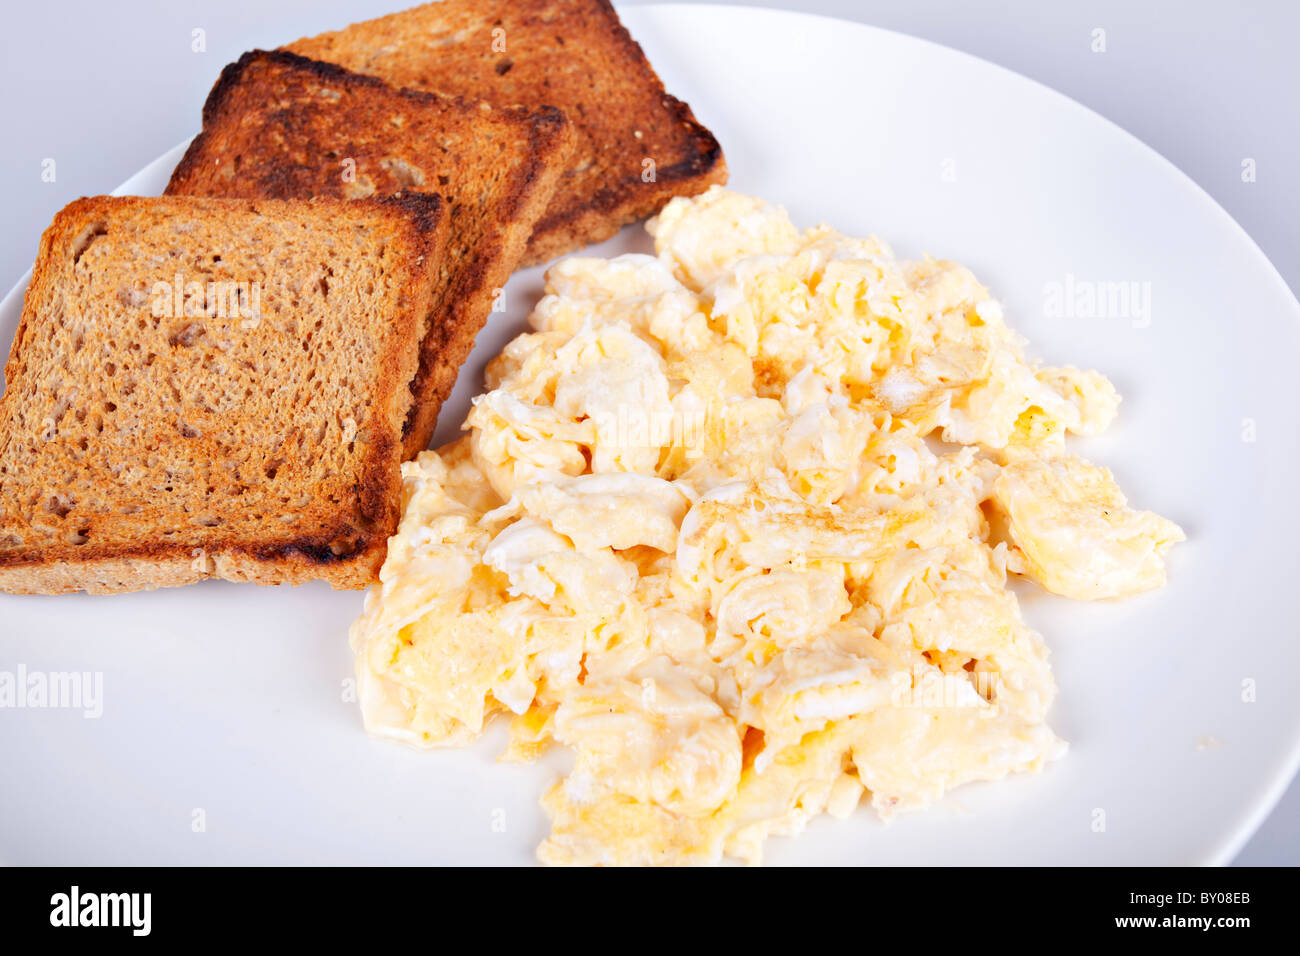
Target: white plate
[[225, 702]]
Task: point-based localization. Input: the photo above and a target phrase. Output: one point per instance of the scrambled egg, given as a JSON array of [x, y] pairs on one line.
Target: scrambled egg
[[734, 523]]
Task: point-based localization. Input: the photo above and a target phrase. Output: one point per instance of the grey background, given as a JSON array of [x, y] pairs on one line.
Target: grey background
[[104, 88]]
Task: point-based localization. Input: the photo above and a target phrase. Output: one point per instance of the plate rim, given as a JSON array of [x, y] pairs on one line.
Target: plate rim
[[1275, 782]]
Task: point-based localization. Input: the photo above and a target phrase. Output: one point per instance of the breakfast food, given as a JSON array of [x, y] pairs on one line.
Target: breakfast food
[[637, 145], [735, 523], [283, 126], [213, 388]]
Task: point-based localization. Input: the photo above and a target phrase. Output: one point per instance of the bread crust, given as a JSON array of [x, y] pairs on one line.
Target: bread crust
[[575, 55], [342, 540], [289, 119]]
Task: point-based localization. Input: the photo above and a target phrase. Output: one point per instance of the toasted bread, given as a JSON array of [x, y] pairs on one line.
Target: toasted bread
[[213, 388], [638, 146], [284, 126]]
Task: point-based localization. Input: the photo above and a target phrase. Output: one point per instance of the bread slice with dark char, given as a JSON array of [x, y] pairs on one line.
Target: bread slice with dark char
[[638, 146], [207, 388], [284, 126]]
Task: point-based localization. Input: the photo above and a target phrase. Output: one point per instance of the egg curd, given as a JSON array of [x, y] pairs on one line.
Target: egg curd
[[735, 524]]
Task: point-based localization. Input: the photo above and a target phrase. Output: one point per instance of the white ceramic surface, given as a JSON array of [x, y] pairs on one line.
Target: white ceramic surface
[[225, 703]]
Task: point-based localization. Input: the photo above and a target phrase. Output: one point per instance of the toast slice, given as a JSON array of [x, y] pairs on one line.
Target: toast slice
[[637, 146], [284, 126], [213, 388]]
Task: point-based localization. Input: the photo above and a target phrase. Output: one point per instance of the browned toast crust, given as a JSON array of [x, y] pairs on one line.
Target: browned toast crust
[[572, 54], [142, 448], [281, 125]]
